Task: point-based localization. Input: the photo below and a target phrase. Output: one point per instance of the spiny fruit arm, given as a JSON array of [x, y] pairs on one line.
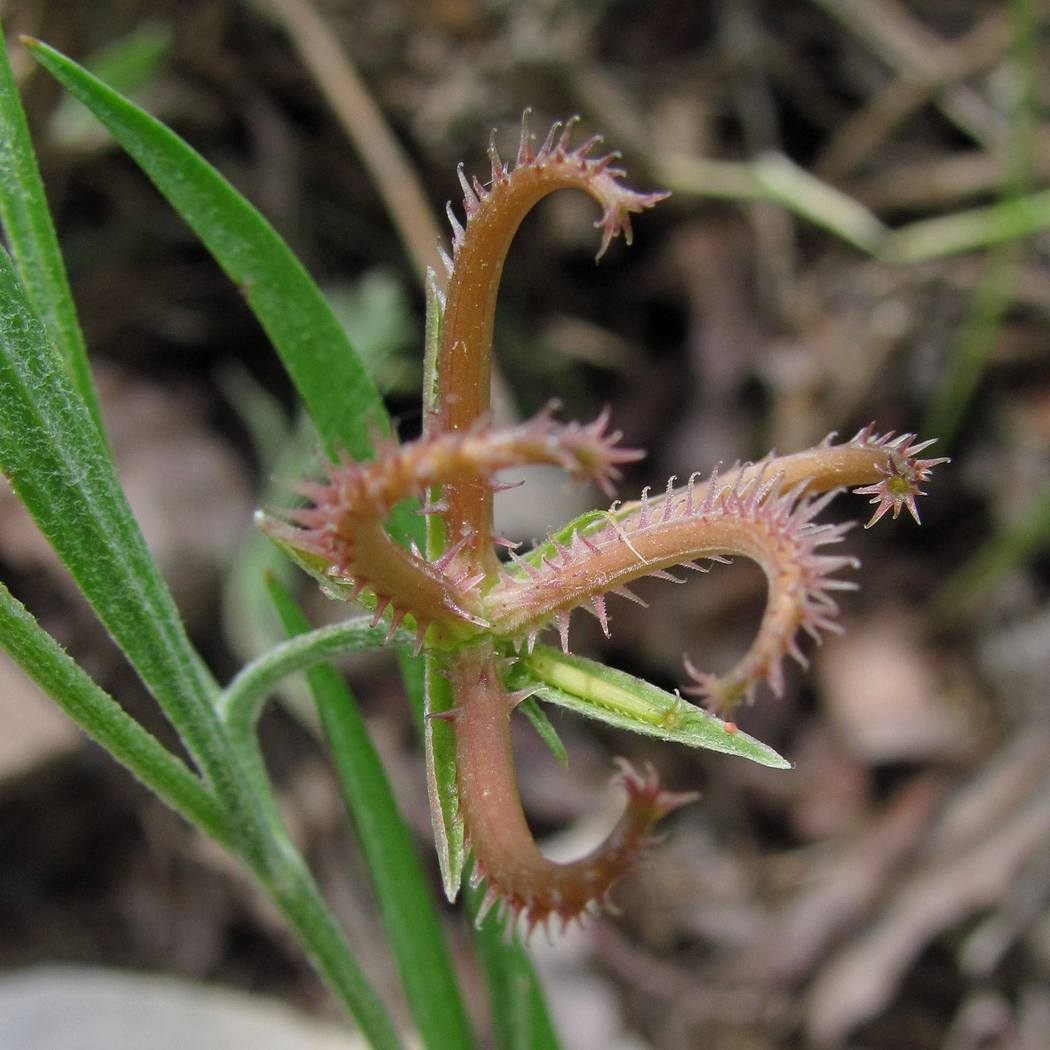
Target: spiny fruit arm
[[493, 213], [763, 511], [344, 525], [518, 875]]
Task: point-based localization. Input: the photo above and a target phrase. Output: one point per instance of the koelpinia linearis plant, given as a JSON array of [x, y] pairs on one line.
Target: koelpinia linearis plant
[[478, 615]]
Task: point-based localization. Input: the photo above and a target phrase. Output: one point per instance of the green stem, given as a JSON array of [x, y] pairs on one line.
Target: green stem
[[284, 874], [293, 889], [241, 703], [277, 865], [105, 721], [58, 466], [286, 879]]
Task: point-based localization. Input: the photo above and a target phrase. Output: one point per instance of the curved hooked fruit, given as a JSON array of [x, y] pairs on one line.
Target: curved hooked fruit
[[536, 172], [493, 214], [764, 511], [505, 854], [473, 609], [344, 526]]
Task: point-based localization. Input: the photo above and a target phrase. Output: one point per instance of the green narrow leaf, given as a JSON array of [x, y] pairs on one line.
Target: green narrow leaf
[[432, 343], [132, 60], [104, 720], [547, 733], [439, 741], [129, 65], [341, 399], [57, 464], [439, 738], [281, 450], [823, 205], [621, 700], [397, 878], [976, 341], [774, 177], [31, 237], [974, 345], [520, 1019], [966, 231], [413, 675], [335, 387], [315, 566]]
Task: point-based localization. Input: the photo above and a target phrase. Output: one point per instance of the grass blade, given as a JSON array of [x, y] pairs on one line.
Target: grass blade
[[974, 344], [520, 1020], [816, 201], [31, 237], [966, 231], [338, 393], [397, 878], [976, 341], [104, 720], [130, 65], [57, 463]]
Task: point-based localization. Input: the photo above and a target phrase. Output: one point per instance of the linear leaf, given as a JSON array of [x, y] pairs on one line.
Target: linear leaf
[[520, 1020], [547, 733], [825, 206], [621, 700], [397, 878], [104, 720], [966, 231], [57, 463], [439, 740], [31, 237], [438, 736], [340, 397], [130, 65]]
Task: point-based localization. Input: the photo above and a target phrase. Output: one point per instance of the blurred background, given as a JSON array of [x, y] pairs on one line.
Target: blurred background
[[828, 257]]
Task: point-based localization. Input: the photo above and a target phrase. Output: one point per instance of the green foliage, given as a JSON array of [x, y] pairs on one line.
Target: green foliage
[[397, 879], [129, 65], [105, 721], [442, 786], [621, 700], [31, 236], [58, 465], [339, 395], [519, 1013]]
